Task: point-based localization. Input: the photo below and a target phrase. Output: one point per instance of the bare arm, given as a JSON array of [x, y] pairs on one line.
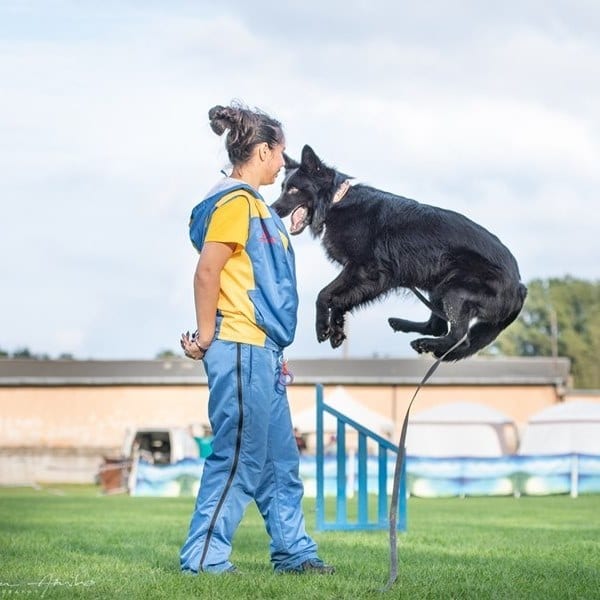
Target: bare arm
[[207, 279], [206, 287]]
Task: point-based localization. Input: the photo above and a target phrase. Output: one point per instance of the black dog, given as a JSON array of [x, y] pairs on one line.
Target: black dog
[[385, 242]]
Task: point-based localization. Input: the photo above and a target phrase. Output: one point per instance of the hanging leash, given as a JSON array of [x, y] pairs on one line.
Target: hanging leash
[[428, 304], [400, 459]]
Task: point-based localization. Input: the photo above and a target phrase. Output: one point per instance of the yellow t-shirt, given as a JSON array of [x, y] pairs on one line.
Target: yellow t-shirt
[[230, 223]]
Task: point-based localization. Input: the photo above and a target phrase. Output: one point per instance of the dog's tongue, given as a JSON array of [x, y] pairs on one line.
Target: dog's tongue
[[297, 218]]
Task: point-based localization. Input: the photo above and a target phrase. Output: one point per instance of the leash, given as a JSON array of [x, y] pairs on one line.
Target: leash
[[428, 304], [400, 458]]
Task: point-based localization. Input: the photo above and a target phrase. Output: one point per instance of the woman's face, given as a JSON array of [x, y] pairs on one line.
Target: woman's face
[[273, 163]]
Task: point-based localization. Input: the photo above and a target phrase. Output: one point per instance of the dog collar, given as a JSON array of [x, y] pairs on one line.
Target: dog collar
[[341, 191]]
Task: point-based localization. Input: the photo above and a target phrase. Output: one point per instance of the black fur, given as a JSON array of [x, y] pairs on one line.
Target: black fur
[[385, 242]]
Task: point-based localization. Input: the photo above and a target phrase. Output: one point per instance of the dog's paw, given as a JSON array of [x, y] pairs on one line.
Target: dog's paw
[[422, 345], [398, 324], [337, 337], [323, 333]]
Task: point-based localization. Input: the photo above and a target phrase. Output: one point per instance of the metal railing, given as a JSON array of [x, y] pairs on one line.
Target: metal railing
[[362, 522]]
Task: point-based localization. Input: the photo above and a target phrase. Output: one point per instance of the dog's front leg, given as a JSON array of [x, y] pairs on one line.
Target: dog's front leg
[[330, 322], [322, 321], [330, 317], [336, 327]]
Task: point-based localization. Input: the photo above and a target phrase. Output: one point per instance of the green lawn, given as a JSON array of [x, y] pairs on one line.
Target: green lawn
[[71, 542]]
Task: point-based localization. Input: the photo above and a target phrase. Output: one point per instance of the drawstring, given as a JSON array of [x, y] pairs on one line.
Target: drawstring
[[286, 377]]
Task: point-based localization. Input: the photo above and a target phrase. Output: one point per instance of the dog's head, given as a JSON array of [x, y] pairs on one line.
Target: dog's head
[[306, 192]]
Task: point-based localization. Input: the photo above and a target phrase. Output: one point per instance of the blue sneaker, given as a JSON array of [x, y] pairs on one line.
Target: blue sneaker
[[232, 570], [312, 565]]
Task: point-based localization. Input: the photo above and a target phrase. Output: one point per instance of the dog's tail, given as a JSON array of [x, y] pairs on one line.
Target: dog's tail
[[484, 333]]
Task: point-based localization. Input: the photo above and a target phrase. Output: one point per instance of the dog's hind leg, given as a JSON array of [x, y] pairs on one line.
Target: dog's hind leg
[[440, 345], [460, 314], [435, 326]]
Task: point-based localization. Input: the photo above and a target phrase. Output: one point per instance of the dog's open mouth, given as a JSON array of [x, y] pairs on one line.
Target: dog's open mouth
[[298, 219]]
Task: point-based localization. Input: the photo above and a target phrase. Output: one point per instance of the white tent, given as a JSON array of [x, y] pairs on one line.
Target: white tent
[[460, 429], [569, 427], [341, 400]]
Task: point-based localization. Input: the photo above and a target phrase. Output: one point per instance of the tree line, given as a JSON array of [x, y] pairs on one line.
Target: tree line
[[561, 317], [26, 353]]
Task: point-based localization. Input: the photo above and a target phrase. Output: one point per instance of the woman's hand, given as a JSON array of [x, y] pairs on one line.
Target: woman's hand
[[191, 348]]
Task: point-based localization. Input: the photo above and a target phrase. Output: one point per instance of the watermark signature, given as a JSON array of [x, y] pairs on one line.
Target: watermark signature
[[41, 587]]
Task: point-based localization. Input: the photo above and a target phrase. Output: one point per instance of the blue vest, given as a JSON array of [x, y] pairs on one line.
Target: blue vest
[[274, 295]]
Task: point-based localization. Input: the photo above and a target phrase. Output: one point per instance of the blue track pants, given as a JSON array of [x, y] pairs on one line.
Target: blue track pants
[[254, 457]]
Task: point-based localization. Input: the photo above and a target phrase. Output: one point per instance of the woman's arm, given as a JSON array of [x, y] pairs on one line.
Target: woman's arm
[[207, 280]]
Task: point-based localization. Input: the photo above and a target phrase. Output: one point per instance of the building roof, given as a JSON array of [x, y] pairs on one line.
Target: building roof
[[354, 371]]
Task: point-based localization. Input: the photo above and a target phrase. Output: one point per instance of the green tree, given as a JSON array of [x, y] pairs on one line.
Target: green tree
[[560, 317], [23, 353], [165, 354]]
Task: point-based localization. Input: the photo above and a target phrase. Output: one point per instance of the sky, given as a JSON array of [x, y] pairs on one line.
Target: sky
[[489, 109]]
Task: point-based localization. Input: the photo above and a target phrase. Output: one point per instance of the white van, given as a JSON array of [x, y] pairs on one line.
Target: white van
[[160, 446]]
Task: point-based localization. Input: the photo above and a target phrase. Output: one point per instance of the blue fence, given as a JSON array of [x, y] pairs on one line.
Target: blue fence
[[514, 475], [574, 474], [345, 474], [335, 479]]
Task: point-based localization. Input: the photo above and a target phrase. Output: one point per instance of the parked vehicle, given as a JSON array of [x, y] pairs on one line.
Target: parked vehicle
[[160, 446]]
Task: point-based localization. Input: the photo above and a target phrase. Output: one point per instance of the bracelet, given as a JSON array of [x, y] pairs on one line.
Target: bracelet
[[204, 350]]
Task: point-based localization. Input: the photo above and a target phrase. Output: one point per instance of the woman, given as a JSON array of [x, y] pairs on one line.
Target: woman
[[246, 304]]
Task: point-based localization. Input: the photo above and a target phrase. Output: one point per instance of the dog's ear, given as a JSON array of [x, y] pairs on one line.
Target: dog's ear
[[289, 163], [310, 160]]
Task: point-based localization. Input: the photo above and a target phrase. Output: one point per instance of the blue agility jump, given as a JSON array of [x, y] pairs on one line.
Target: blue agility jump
[[362, 522]]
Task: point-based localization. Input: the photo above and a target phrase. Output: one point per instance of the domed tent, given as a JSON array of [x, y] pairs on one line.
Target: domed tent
[[460, 429], [569, 427]]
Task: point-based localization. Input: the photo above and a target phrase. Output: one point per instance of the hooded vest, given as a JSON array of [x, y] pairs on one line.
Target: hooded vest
[[258, 300]]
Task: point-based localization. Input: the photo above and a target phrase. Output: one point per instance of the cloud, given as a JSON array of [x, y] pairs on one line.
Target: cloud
[[488, 110]]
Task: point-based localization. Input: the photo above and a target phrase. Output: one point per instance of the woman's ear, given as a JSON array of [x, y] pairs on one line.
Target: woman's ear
[[263, 151]]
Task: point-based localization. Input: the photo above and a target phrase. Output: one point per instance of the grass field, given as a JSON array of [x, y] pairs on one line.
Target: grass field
[[71, 542]]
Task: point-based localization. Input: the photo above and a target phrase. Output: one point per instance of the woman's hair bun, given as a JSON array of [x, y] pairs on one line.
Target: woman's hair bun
[[246, 129], [222, 118]]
